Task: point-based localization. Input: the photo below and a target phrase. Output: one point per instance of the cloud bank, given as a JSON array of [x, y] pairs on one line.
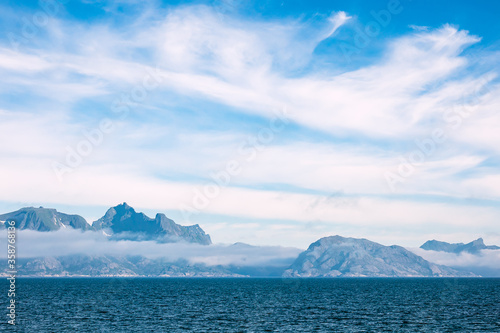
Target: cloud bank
[[485, 263], [31, 244]]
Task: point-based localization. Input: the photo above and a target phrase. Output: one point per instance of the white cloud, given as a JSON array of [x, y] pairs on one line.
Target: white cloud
[[486, 258], [21, 62], [234, 62], [107, 187], [338, 20], [245, 64], [32, 244]]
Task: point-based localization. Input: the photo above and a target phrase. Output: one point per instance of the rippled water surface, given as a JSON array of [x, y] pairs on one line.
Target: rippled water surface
[[255, 305]]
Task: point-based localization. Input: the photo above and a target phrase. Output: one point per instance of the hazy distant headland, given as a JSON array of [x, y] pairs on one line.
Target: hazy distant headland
[[126, 243]]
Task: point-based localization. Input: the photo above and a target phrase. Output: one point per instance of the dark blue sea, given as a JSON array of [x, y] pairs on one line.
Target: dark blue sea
[[254, 305]]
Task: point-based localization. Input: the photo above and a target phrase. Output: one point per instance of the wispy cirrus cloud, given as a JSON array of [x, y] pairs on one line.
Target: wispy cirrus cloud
[[222, 76]]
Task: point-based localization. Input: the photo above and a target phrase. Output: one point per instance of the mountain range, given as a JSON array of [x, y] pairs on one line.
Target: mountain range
[[118, 266], [473, 247], [336, 256], [44, 219], [123, 222], [333, 256], [119, 222], [474, 256]]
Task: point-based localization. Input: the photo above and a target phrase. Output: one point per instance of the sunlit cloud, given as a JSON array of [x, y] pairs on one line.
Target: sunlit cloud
[[187, 89]]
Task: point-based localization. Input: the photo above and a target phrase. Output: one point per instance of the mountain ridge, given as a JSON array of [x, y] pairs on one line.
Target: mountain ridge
[[44, 219], [121, 222], [473, 247], [125, 223], [333, 256], [115, 266], [337, 256]]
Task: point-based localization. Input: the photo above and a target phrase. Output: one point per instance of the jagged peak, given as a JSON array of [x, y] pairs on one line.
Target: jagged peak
[[122, 208], [479, 241], [124, 205], [124, 219]]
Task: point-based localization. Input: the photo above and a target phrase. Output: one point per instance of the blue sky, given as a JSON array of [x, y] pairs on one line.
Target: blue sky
[[271, 122]]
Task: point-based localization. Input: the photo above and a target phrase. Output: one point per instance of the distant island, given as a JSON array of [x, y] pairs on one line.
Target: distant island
[[119, 222], [329, 257], [473, 247]]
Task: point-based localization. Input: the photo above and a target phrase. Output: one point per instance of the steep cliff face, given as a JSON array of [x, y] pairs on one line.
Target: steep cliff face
[[119, 222], [123, 222]]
